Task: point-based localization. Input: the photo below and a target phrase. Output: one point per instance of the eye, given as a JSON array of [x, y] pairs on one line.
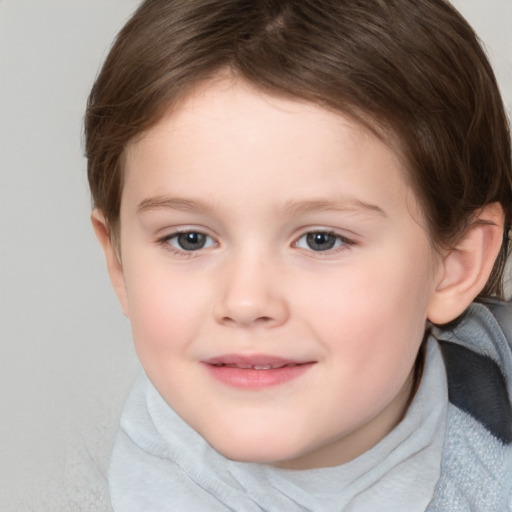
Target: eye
[[321, 241], [190, 241]]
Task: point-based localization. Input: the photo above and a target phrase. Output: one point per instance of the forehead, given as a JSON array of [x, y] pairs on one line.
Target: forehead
[[226, 135], [238, 109]]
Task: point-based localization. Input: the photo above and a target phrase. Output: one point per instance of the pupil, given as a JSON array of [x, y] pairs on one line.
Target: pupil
[[320, 241], [191, 241]]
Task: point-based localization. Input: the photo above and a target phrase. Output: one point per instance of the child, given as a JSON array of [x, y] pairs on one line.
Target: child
[[290, 195]]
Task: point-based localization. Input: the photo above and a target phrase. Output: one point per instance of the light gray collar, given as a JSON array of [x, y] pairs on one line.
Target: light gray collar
[[159, 463]]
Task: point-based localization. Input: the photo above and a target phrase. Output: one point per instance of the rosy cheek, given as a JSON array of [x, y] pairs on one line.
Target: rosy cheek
[[164, 317], [152, 312]]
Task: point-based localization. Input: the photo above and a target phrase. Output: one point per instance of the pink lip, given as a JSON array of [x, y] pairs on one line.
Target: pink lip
[[255, 371]]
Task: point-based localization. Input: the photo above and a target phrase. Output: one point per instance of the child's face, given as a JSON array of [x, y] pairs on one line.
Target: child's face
[[276, 274]]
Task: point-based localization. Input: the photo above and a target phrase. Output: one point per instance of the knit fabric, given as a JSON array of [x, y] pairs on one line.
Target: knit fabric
[[160, 463], [452, 452]]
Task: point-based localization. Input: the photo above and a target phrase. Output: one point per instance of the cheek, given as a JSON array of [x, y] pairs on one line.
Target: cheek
[[164, 310], [372, 316]]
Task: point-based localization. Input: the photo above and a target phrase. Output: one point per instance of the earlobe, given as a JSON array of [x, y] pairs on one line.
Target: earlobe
[[465, 269], [112, 258]]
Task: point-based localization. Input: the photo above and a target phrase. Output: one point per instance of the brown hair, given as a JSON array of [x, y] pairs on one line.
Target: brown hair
[[414, 67]]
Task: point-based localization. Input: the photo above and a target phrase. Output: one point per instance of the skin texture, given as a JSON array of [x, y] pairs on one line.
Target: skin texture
[[254, 175]]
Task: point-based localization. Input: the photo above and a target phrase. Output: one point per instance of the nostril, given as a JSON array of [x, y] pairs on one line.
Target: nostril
[[233, 309], [260, 319]]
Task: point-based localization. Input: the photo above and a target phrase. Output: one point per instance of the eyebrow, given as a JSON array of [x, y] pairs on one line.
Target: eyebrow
[[290, 208], [347, 204], [172, 203]]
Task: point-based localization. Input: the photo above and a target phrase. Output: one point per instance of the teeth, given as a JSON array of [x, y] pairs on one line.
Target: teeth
[[253, 366]]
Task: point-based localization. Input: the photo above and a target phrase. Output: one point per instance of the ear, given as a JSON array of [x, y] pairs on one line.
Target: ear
[[465, 269], [112, 257]]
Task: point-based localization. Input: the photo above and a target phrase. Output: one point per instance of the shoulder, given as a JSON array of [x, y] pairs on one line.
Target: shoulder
[[477, 454], [485, 327], [478, 358]]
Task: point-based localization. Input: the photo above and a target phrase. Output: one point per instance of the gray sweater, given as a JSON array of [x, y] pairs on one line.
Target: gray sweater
[[477, 455], [452, 451]]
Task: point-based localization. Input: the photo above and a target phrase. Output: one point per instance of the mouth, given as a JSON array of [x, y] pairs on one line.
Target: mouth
[[256, 371]]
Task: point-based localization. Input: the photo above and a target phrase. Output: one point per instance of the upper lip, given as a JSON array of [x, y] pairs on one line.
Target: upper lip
[[256, 361]]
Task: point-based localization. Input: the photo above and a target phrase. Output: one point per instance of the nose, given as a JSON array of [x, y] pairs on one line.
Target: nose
[[251, 294]]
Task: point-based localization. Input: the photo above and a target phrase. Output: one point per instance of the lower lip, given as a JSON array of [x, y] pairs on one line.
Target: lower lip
[[257, 379]]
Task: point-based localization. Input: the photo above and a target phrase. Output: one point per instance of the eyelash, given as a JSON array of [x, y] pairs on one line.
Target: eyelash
[[342, 242], [166, 242]]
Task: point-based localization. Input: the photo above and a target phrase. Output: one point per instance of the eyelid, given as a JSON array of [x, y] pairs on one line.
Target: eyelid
[[164, 240], [346, 242]]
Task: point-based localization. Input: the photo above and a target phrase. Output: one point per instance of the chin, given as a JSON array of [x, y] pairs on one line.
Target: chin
[[251, 451]]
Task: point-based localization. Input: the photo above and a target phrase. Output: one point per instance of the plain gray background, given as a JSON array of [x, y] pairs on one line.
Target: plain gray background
[[66, 360]]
